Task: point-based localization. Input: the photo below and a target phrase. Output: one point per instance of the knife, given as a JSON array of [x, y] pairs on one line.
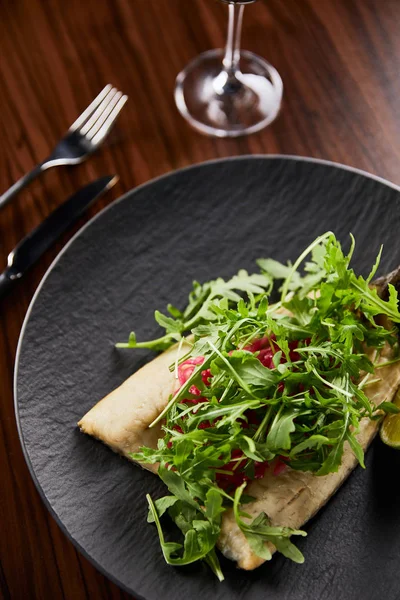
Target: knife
[[31, 248]]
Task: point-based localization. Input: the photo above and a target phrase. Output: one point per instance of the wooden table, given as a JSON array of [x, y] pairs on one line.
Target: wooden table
[[340, 63]]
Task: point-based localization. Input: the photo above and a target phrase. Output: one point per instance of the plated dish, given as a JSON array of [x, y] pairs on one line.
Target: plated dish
[[258, 411], [143, 252]]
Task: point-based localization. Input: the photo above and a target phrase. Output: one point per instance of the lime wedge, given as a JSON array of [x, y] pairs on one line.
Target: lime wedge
[[390, 429]]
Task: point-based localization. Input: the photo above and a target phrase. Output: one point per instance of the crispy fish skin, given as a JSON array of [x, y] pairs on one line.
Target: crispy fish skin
[[293, 497]]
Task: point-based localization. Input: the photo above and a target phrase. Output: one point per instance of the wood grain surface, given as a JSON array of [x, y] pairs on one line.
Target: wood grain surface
[[340, 64]]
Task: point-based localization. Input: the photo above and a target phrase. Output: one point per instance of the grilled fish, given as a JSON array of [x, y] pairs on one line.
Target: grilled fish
[[121, 420]]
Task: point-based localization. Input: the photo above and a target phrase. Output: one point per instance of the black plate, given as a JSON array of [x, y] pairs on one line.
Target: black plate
[[137, 255]]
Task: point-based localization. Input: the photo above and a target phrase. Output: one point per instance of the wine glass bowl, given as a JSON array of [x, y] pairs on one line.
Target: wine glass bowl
[[231, 92]]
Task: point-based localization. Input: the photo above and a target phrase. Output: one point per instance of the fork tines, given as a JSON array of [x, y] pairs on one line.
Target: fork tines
[[95, 122]]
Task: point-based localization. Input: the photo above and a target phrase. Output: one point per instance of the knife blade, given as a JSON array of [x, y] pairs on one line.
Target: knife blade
[[31, 248]]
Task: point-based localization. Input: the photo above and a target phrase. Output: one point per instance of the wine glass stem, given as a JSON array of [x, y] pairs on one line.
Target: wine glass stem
[[232, 49]]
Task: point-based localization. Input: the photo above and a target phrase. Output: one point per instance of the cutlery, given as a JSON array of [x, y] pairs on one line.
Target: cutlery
[[31, 248], [83, 137]]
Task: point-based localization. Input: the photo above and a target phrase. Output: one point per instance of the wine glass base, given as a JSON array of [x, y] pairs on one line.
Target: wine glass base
[[215, 106]]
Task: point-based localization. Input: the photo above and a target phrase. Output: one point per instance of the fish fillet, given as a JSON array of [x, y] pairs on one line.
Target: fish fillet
[[121, 420]]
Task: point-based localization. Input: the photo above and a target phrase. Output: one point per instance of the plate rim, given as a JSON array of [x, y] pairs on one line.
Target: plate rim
[[291, 157]]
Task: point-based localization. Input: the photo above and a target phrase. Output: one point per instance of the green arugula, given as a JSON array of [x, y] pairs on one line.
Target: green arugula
[[199, 310], [302, 408]]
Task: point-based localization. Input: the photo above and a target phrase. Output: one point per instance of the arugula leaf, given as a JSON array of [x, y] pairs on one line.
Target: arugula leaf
[[170, 325], [256, 451], [213, 505], [182, 451], [277, 270], [175, 312], [200, 536], [311, 442], [158, 345], [372, 304], [258, 545], [183, 514], [251, 371], [213, 562], [356, 447], [281, 428], [389, 408], [288, 549], [205, 458], [168, 548], [176, 485], [162, 505], [301, 309], [375, 266], [333, 461]]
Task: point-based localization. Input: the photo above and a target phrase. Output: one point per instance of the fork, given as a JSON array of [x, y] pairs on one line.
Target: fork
[[83, 137]]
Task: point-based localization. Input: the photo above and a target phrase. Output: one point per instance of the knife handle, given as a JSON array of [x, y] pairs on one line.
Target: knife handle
[[5, 285]]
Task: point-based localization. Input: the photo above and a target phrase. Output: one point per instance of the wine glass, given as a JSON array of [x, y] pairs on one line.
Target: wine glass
[[231, 92]]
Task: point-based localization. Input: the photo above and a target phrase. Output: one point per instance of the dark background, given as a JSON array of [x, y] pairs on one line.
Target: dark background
[[339, 61]]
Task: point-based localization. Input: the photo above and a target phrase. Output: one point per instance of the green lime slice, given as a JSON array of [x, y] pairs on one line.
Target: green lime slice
[[390, 429]]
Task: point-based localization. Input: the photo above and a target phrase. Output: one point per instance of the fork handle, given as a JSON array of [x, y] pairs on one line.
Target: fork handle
[[21, 183]]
